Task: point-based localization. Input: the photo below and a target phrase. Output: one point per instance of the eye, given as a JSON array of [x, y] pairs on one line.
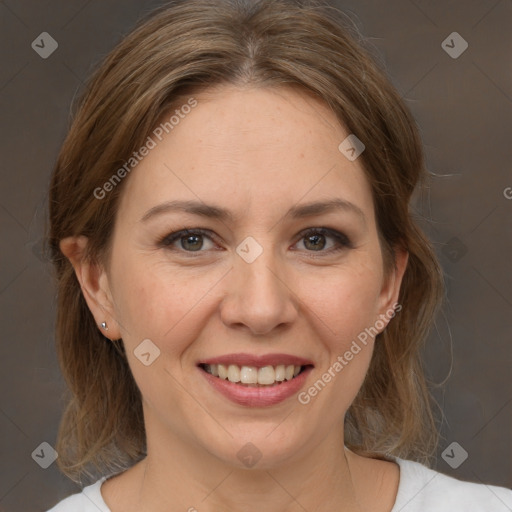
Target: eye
[[316, 239], [313, 239], [188, 240]]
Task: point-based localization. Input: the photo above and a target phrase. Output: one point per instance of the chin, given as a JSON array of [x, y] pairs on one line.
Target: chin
[[259, 447]]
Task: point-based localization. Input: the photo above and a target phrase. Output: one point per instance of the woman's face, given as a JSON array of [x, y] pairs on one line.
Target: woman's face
[[267, 270]]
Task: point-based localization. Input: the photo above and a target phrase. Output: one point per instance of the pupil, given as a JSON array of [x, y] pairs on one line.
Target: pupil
[[316, 240], [191, 238]]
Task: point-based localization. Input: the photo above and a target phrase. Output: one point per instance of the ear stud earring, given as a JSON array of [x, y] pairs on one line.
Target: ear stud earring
[[104, 326]]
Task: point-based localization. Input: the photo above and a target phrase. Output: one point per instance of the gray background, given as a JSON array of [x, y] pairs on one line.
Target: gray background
[[463, 107]]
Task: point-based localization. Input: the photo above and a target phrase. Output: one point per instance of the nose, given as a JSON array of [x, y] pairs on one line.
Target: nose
[[258, 296]]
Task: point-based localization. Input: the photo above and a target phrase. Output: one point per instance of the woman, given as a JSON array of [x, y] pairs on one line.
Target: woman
[[243, 293]]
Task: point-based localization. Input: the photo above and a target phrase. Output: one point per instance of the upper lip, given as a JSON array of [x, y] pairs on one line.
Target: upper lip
[[258, 361]]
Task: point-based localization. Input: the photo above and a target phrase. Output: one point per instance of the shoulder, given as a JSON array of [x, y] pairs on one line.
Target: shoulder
[[89, 500], [423, 489]]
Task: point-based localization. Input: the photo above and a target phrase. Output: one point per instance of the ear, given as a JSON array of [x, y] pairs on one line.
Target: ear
[[388, 298], [94, 283]]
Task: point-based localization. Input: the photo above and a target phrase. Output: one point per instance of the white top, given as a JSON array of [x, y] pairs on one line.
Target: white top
[[420, 490]]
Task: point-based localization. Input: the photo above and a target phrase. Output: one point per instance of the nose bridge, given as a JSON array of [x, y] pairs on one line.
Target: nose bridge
[[259, 296], [261, 277], [258, 268]]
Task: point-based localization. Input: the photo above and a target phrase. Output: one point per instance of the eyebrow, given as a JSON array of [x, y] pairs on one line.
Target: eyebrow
[[215, 212]]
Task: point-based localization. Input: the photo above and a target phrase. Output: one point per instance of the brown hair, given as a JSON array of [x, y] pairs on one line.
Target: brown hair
[[180, 50]]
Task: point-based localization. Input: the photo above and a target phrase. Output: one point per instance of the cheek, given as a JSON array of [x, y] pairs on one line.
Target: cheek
[[346, 308], [166, 307], [346, 300], [162, 303]]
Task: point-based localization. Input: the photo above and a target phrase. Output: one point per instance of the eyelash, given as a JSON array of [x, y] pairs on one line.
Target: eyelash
[[342, 240]]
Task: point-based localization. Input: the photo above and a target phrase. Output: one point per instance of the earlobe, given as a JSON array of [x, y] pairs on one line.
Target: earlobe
[[391, 289], [93, 282]]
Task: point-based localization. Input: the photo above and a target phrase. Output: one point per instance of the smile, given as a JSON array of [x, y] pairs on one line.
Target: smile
[[256, 382], [253, 376]]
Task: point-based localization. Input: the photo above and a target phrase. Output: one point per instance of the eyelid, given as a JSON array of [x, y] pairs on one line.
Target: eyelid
[[344, 242], [170, 238], [341, 237]]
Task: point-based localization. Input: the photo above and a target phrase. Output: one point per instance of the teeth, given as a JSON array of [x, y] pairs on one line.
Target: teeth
[[213, 370], [223, 371], [233, 373], [280, 372], [265, 376], [248, 375]]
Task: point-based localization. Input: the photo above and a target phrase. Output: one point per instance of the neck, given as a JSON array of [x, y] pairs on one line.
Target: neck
[[176, 476]]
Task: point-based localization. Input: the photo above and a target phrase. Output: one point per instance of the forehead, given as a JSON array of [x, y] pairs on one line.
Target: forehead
[[254, 149]]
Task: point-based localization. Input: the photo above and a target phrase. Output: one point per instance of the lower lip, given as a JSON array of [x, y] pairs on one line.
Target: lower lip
[[257, 396]]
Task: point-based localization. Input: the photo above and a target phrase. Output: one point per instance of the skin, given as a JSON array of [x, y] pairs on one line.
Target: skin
[[256, 152]]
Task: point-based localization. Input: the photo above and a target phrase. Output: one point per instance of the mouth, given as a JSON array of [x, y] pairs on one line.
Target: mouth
[[256, 381], [254, 376]]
